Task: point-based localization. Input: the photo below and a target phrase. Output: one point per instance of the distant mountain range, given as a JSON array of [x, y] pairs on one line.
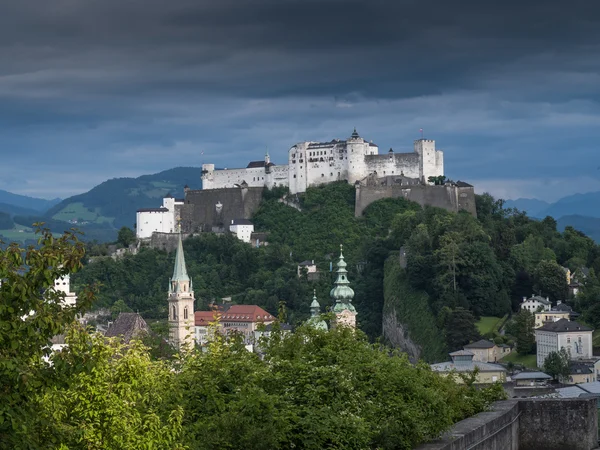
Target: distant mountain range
[[103, 210], [22, 203], [581, 211]]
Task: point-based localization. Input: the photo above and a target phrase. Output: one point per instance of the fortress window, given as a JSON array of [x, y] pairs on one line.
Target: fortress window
[[331, 174], [322, 175], [294, 176]]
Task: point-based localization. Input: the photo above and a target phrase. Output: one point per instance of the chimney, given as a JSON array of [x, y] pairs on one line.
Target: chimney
[[231, 221], [313, 262], [524, 298]]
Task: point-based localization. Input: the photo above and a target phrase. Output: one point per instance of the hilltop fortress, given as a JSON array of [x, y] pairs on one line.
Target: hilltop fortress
[[313, 163], [231, 194]]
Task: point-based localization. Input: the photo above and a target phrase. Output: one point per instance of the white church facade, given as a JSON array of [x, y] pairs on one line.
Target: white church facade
[[314, 163]]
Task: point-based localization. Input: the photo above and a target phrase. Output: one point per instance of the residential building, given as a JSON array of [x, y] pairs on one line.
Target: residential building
[[486, 351], [342, 295], [242, 228], [536, 303], [572, 336], [242, 319], [531, 379], [580, 372], [311, 269], [553, 315], [181, 304], [463, 362], [259, 239]]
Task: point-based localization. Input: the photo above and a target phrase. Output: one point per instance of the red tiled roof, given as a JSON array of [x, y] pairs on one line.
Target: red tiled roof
[[237, 313], [203, 318]]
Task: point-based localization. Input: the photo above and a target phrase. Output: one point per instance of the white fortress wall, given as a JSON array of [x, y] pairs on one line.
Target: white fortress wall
[[277, 176], [326, 163], [406, 164], [228, 178], [151, 220], [315, 163]]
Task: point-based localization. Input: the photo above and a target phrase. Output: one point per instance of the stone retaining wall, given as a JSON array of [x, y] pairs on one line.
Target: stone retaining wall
[[527, 424]]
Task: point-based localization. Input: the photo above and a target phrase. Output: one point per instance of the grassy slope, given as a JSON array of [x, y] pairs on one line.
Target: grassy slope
[[529, 361], [487, 324]]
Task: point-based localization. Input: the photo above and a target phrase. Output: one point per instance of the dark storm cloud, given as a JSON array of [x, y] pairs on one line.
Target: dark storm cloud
[[144, 84]]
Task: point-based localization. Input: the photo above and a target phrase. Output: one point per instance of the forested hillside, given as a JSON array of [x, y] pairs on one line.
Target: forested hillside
[[103, 210], [458, 267]]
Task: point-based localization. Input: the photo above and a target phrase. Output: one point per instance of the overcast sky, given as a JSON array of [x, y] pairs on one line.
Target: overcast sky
[[98, 89]]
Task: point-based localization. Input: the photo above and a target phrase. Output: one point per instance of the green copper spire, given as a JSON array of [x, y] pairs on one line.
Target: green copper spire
[[180, 280], [180, 271], [315, 308], [342, 293], [315, 311]]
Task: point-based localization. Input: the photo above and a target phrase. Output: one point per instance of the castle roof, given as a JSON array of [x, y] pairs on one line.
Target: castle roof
[[463, 184], [241, 222], [254, 164], [161, 209]]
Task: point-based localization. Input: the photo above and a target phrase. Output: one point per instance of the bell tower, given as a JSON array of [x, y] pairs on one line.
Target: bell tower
[[342, 294], [181, 303]]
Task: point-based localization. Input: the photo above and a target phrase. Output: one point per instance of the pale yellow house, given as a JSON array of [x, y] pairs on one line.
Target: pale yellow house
[[544, 317], [486, 351], [462, 362]]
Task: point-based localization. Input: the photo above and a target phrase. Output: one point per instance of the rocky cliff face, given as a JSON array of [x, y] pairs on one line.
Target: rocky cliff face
[[408, 322]]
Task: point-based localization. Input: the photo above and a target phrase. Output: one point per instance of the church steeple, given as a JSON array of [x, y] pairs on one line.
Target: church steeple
[[180, 277], [342, 294], [181, 303], [315, 311]]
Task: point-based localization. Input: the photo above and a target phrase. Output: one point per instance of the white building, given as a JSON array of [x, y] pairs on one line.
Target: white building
[[242, 319], [574, 337], [309, 265], [161, 220], [536, 303], [63, 284], [242, 228], [314, 163]]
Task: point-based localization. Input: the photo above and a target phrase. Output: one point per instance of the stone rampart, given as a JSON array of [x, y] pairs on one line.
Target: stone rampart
[[205, 209], [166, 241], [527, 424], [450, 197]]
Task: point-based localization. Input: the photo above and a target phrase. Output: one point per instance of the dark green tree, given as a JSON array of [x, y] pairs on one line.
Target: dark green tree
[[126, 237], [523, 331], [460, 329], [30, 315], [557, 364], [550, 279]]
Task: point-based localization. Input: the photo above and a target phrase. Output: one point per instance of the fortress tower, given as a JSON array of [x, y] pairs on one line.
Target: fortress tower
[[181, 304], [431, 161]]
